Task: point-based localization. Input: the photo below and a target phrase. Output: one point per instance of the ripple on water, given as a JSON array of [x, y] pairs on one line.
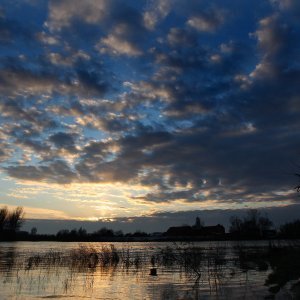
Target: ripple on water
[[72, 271]]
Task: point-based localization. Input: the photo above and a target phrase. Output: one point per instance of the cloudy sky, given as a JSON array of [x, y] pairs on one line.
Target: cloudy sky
[[123, 109]]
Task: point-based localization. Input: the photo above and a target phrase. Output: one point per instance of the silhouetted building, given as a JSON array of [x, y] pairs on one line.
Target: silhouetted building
[[212, 230], [180, 231]]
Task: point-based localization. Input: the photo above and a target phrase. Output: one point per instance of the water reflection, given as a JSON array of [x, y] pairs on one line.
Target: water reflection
[[184, 271], [7, 260], [285, 263]]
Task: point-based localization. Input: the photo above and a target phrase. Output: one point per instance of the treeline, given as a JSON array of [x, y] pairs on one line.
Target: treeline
[[80, 235], [257, 226], [10, 222], [290, 230], [101, 234], [253, 226]]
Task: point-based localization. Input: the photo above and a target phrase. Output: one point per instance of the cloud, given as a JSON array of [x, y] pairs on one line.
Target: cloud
[[20, 80], [115, 44], [39, 213], [93, 19], [64, 141], [156, 13], [78, 76], [56, 171], [272, 34], [126, 36], [110, 93], [207, 21], [181, 37], [290, 6], [63, 13], [35, 120]]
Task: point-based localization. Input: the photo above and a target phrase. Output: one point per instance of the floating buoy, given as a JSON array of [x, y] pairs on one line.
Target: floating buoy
[[153, 272]]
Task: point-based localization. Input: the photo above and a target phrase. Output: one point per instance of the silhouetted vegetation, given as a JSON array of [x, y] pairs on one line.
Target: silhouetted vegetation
[[10, 222], [103, 234], [290, 230], [191, 259], [253, 226], [81, 235]]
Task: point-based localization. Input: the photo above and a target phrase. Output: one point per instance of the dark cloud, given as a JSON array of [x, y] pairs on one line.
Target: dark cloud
[[44, 80], [64, 141], [56, 172], [185, 100]]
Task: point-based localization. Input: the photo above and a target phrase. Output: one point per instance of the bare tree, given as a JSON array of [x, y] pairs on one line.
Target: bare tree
[[3, 218], [254, 224], [236, 224], [15, 219], [33, 231]]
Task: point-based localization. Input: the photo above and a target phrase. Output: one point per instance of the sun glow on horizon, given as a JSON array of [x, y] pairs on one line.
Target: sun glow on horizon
[[110, 201]]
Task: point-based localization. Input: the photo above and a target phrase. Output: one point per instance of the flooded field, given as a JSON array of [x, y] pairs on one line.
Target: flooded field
[[202, 270]]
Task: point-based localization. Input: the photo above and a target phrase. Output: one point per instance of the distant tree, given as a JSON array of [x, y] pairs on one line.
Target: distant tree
[[139, 233], [236, 225], [82, 232], [250, 224], [73, 234], [265, 223], [33, 231], [119, 233], [63, 234], [104, 232]]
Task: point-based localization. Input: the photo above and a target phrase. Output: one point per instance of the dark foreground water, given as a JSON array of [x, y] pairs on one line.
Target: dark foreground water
[[202, 270]]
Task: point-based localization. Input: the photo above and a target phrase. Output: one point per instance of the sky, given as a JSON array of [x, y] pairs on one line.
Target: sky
[[122, 111]]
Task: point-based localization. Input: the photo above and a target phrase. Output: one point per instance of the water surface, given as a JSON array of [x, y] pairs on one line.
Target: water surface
[[202, 270]]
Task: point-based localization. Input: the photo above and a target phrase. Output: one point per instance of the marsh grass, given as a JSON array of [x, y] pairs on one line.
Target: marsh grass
[[189, 259]]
